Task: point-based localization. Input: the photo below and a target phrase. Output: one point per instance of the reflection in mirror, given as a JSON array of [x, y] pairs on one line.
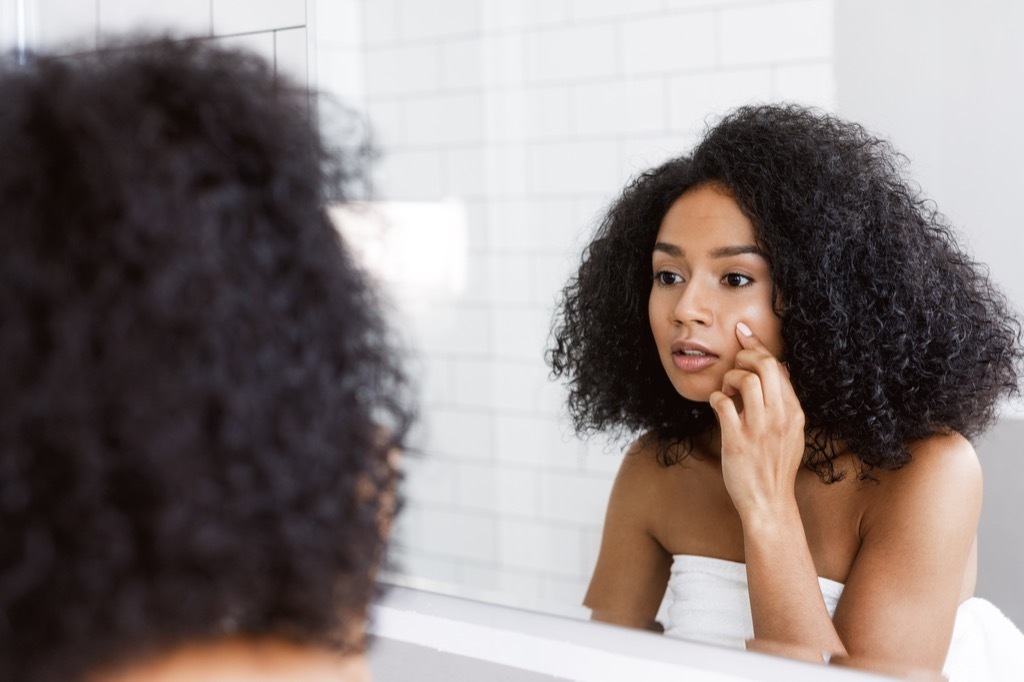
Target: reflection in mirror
[[507, 128], [526, 121], [795, 445], [530, 117]]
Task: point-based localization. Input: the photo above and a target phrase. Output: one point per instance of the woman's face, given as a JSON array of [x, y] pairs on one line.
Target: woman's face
[[709, 275]]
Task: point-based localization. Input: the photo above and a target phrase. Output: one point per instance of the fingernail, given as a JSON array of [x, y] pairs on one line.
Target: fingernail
[[744, 329]]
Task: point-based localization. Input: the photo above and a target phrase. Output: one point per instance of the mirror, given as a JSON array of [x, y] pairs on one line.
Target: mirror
[[530, 117], [506, 128]]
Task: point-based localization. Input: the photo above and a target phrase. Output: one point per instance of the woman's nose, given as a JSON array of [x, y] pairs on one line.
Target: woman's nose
[[692, 306]]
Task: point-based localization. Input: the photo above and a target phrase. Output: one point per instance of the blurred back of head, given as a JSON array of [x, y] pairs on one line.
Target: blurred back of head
[[197, 400]]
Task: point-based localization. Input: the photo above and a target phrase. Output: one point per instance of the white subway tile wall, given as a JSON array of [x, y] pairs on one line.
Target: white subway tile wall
[[66, 25], [533, 114], [262, 43], [191, 17], [528, 117], [275, 29], [291, 54], [336, 50], [231, 16]]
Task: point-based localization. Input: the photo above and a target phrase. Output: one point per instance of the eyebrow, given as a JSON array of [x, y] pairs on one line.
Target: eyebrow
[[721, 252]]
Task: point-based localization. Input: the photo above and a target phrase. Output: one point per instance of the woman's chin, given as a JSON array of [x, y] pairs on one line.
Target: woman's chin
[[695, 387], [694, 394]]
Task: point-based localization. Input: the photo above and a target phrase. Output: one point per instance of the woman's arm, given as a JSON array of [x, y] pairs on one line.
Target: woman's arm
[[763, 437], [901, 595], [632, 567], [918, 534]]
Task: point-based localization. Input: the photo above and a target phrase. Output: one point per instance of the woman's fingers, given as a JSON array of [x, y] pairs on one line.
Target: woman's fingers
[[762, 425], [755, 357], [725, 408], [746, 385], [760, 386]]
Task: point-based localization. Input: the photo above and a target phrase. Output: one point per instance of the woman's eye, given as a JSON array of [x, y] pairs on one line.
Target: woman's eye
[[666, 278], [735, 279]]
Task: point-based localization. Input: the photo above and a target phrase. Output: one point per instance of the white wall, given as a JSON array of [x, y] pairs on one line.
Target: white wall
[[506, 126], [943, 81], [524, 119], [521, 121], [274, 28]]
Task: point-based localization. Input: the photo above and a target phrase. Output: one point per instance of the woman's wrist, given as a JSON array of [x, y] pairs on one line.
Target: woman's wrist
[[766, 516]]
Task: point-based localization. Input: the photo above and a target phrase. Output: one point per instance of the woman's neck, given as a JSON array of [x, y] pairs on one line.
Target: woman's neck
[[708, 445]]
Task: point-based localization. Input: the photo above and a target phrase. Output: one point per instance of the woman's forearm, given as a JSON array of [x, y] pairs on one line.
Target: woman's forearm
[[785, 598]]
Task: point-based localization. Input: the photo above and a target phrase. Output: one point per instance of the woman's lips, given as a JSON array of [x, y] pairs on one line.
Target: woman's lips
[[693, 361], [690, 355]]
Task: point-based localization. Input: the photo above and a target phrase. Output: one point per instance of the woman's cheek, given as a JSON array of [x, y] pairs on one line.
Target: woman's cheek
[[765, 324]]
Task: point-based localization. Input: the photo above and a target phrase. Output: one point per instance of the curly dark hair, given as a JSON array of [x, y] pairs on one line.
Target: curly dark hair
[[197, 400], [891, 332]]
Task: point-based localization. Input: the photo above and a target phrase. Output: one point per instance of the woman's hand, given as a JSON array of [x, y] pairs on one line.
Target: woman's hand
[[762, 429]]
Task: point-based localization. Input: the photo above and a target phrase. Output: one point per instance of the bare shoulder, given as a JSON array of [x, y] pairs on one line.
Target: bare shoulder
[[914, 564], [948, 453], [644, 472], [943, 472], [675, 505], [632, 566], [937, 461], [640, 474], [641, 458]]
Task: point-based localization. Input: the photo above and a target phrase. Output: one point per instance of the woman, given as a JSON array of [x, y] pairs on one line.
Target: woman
[[805, 351], [198, 400]]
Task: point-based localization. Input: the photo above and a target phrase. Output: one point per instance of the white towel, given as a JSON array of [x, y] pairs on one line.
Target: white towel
[[707, 600], [986, 645]]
